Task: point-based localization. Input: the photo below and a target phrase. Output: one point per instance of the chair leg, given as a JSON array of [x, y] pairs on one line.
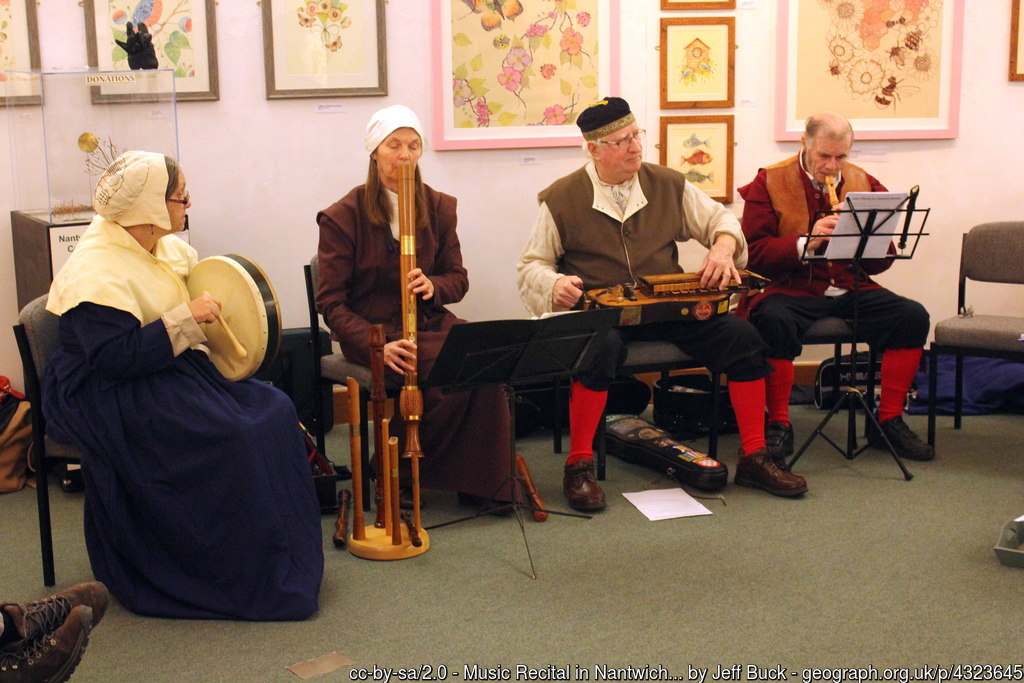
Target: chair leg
[[933, 383], [958, 410], [716, 393], [601, 438], [837, 354], [556, 423], [43, 504], [364, 446], [317, 421], [870, 382]]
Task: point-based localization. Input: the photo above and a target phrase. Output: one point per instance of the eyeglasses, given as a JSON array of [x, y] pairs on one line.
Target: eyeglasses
[[625, 142], [183, 202]]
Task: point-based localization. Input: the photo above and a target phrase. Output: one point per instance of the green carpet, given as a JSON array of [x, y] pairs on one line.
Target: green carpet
[[866, 570]]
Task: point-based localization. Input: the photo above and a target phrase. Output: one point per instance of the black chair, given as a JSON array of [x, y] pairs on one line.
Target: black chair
[[332, 369], [991, 252], [38, 336], [837, 331], [641, 357]]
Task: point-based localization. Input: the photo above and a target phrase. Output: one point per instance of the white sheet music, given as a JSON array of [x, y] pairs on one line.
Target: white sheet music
[[666, 504], [848, 231]]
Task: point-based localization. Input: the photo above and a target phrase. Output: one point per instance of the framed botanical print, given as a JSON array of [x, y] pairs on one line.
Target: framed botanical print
[[895, 75], [1016, 44], [326, 48], [19, 50], [701, 148], [183, 34], [698, 4], [697, 62], [517, 73]]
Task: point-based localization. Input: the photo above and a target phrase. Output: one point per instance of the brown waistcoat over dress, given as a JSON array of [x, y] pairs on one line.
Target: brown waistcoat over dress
[[465, 435]]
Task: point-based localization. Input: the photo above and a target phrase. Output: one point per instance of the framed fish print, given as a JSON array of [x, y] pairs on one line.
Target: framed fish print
[[700, 147], [1016, 44], [894, 72], [19, 51], [517, 73], [697, 62], [698, 4], [326, 48], [183, 34]]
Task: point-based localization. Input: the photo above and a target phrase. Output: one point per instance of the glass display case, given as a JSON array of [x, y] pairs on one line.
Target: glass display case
[[65, 127]]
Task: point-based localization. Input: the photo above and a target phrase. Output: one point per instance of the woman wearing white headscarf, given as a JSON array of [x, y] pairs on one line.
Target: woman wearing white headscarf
[[465, 436], [199, 499]]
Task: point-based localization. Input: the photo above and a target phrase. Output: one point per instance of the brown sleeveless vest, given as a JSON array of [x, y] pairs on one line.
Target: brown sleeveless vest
[[785, 183], [603, 251]]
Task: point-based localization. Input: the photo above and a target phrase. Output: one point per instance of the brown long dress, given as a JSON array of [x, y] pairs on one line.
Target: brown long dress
[[465, 436]]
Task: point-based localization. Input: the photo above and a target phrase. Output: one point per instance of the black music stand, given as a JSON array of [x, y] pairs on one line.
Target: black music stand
[[510, 352], [873, 228]]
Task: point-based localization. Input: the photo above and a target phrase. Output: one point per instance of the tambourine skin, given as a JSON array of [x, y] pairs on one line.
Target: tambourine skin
[[248, 306]]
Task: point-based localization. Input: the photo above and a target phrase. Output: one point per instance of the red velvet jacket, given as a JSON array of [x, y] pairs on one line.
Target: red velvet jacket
[[776, 256]]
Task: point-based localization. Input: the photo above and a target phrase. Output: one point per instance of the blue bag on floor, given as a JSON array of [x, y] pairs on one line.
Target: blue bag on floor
[[991, 385]]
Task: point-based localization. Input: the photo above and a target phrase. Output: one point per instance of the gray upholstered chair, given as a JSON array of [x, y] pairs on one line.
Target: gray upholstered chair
[[37, 335], [991, 252]]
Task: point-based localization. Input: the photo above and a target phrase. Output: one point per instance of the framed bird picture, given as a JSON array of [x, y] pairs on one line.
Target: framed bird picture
[[19, 51], [326, 48], [180, 35], [698, 62], [517, 73], [700, 147]]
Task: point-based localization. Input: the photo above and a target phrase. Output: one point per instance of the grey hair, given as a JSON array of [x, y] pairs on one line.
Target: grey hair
[[830, 125]]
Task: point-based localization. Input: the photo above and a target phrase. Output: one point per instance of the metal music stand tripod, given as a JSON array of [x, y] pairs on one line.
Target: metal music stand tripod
[[872, 229], [511, 352]]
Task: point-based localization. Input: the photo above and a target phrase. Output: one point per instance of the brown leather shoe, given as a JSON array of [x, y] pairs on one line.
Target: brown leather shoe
[[45, 615], [581, 487], [49, 656], [759, 471]]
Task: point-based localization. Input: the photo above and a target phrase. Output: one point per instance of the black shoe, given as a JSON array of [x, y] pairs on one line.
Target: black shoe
[[778, 438], [906, 443]]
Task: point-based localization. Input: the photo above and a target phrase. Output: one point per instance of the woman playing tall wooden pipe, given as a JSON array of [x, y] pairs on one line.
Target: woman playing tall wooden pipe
[[464, 436]]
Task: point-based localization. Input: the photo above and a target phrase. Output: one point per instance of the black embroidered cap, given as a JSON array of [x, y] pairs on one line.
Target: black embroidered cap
[[604, 117]]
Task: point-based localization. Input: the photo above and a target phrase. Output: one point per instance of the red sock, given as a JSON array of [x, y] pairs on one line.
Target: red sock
[[748, 404], [778, 387], [898, 369], [585, 410]]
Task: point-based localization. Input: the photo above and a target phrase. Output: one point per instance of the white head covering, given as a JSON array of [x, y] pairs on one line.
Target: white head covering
[[386, 121], [131, 191]]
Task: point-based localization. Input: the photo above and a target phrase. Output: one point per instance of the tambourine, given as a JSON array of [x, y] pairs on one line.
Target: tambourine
[[247, 336]]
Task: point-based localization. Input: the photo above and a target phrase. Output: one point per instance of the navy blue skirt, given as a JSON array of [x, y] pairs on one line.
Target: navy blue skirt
[[199, 499]]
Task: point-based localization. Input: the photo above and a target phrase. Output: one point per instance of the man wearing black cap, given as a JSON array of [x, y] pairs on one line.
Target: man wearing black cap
[[610, 222]]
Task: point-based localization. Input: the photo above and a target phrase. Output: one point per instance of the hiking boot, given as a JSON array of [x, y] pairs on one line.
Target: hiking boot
[[778, 438], [49, 656], [905, 442], [581, 488], [757, 470], [45, 615]]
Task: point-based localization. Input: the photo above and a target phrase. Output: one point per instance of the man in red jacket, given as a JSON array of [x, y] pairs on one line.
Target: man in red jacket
[[787, 209]]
